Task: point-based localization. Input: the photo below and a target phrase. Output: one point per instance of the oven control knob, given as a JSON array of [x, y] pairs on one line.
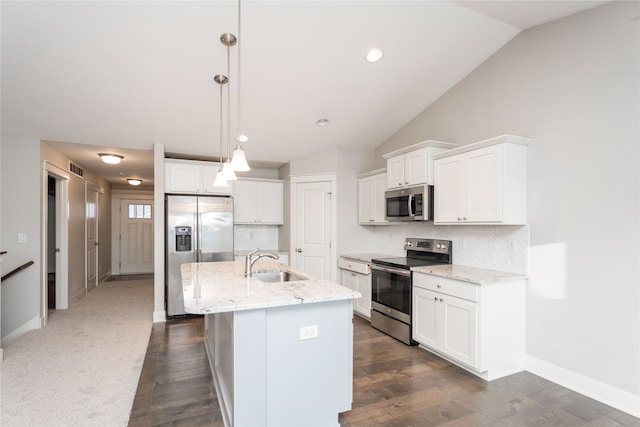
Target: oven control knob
[[438, 246]]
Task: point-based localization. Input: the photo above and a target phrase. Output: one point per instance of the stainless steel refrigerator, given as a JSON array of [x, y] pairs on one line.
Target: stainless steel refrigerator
[[198, 229]]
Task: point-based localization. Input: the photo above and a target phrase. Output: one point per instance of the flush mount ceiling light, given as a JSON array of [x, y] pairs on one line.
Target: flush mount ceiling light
[[322, 122], [134, 181], [374, 55], [220, 180], [111, 159]]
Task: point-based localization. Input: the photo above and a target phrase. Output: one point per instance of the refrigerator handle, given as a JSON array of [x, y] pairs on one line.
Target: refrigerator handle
[[198, 246]]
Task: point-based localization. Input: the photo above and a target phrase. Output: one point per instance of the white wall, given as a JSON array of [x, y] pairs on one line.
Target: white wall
[[573, 85], [20, 214]]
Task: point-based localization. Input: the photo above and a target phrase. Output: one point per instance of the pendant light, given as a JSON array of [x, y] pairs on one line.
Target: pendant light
[[239, 160], [220, 177], [228, 40]]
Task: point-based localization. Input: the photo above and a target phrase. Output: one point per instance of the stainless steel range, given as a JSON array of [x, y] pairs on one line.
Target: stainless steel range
[[391, 285]]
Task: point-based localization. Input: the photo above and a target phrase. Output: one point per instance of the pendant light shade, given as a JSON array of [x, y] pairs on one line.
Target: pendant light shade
[[220, 180], [229, 172], [239, 160]]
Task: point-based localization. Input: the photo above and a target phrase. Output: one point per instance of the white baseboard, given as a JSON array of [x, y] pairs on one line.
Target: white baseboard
[[159, 316], [28, 326], [609, 395]]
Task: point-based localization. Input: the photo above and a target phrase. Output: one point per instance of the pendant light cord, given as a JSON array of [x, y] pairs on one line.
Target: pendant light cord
[[220, 126], [239, 130], [228, 104]]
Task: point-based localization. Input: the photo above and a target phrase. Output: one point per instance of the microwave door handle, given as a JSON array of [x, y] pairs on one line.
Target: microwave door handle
[[410, 201]]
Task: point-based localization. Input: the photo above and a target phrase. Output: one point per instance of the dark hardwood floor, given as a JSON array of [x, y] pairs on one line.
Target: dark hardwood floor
[[394, 385]]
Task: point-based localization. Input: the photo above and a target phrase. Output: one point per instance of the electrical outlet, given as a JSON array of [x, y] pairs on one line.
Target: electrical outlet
[[511, 245], [462, 243], [22, 237], [308, 332]]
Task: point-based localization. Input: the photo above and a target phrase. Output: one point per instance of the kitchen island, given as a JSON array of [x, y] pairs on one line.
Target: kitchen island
[[281, 354]]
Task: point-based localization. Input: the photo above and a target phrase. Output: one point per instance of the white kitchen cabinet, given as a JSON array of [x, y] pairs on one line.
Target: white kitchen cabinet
[[192, 177], [413, 165], [482, 183], [479, 327], [371, 202], [258, 201], [356, 275], [446, 323]]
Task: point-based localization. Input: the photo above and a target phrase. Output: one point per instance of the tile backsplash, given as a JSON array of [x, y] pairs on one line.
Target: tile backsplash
[[247, 237], [495, 247]]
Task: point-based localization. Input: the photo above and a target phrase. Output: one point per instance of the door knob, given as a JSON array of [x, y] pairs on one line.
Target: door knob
[[299, 250]]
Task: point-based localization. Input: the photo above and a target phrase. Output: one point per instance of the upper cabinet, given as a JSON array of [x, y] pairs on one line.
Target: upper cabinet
[[413, 165], [371, 203], [482, 183], [192, 177], [258, 201]]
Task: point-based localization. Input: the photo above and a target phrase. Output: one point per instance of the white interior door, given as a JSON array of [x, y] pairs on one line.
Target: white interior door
[[136, 236], [312, 251], [91, 224]]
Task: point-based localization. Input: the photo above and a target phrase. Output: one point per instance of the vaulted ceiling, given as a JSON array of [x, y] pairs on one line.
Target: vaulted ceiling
[[123, 75]]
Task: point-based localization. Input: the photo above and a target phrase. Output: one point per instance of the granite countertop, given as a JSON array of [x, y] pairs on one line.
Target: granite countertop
[[367, 257], [479, 276], [217, 287]]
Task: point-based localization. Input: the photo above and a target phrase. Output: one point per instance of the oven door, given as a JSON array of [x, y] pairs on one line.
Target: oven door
[[391, 292]]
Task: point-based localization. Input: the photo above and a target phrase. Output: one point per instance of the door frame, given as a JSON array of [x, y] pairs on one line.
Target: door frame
[[91, 186], [116, 200], [62, 178], [308, 178]]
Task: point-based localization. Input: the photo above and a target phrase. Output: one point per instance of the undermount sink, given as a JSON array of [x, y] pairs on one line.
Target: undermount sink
[[276, 276]]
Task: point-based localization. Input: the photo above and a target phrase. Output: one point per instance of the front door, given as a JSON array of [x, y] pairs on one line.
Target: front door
[[91, 222], [136, 236], [312, 252]]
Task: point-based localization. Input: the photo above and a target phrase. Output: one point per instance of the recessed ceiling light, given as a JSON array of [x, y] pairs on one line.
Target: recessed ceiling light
[[322, 122], [374, 55]]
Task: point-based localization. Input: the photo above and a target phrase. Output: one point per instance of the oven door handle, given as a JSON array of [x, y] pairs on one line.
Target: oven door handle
[[397, 271]]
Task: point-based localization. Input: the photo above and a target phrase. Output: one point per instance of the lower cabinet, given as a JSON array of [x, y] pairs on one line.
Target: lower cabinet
[[356, 275], [478, 327], [446, 323]]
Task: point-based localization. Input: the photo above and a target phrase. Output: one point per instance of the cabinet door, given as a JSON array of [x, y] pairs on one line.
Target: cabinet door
[[395, 172], [449, 189], [425, 317], [363, 304], [244, 202], [484, 185], [366, 187], [415, 167], [379, 202], [182, 178], [459, 329], [269, 202]]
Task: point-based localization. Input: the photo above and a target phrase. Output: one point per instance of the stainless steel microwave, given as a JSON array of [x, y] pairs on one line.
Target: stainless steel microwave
[[409, 204]]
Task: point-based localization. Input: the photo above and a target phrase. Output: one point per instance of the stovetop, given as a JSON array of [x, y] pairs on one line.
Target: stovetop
[[420, 253]]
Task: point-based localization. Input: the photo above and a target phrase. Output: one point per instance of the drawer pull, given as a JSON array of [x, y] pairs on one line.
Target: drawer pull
[[439, 286]]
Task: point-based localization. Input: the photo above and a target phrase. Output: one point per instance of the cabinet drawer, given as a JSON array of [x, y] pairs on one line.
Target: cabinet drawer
[[351, 265], [452, 287]]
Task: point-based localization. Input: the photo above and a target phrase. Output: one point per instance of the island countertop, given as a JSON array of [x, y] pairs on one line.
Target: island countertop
[[217, 287]]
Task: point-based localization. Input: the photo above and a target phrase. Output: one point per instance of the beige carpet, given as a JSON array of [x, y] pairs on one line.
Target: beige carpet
[[83, 368]]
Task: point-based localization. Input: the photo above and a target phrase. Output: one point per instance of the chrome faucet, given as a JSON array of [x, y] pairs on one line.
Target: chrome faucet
[[249, 260]]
